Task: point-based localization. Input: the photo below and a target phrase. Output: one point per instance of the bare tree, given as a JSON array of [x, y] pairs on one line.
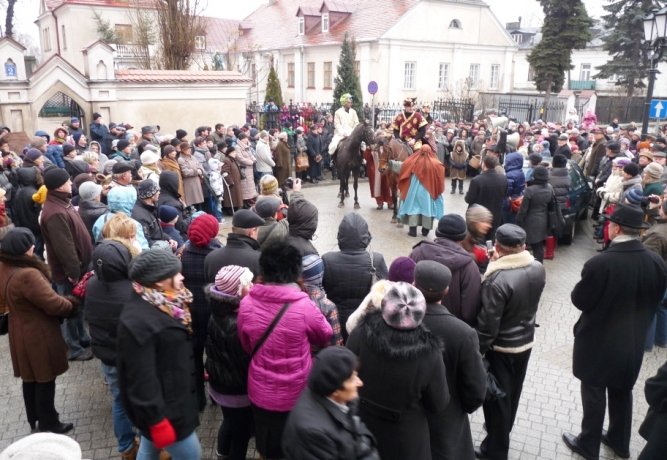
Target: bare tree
[[144, 34], [179, 22], [9, 19]]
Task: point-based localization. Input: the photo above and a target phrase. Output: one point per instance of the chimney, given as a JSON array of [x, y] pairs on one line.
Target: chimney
[[519, 22]]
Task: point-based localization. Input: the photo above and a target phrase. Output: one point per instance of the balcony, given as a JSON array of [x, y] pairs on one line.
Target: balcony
[[580, 85]]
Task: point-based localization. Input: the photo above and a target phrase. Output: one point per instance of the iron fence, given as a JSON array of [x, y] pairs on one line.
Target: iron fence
[[532, 109], [626, 109], [269, 116]]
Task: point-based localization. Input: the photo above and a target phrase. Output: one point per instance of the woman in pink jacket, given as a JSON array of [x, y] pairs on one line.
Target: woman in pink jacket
[[280, 363]]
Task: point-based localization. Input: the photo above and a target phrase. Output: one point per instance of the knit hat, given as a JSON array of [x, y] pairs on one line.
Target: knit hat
[[55, 177], [231, 278], [268, 185], [432, 276], [267, 206], [331, 368], [147, 188], [510, 235], [89, 190], [149, 157], [203, 229], [452, 226], [634, 197], [167, 213], [33, 154], [122, 144], [403, 306], [154, 265], [313, 270], [181, 133], [631, 169], [559, 161], [654, 170], [540, 175], [76, 137], [43, 446], [402, 269], [17, 241]]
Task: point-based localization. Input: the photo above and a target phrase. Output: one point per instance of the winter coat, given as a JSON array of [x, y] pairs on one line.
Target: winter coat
[[506, 322], [226, 362], [240, 250], [533, 215], [605, 170], [36, 345], [25, 212], [516, 180], [283, 160], [302, 218], [458, 161], [156, 373], [279, 370], [265, 161], [559, 178], [68, 245], [451, 438], [192, 191], [317, 429], [245, 160], [90, 211], [106, 294], [233, 196], [463, 296], [313, 145], [489, 190], [634, 183], [618, 294], [404, 379], [169, 195], [272, 232], [147, 216], [654, 188], [564, 150], [122, 200], [592, 163], [654, 427], [655, 239]]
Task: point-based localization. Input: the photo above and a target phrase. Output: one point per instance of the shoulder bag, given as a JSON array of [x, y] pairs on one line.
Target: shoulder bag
[[270, 329], [4, 317]]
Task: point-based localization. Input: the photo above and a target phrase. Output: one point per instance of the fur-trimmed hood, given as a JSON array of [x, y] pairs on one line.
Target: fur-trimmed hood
[[394, 343], [512, 261]]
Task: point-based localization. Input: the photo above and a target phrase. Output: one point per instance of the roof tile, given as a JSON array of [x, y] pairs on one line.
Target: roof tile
[[179, 76]]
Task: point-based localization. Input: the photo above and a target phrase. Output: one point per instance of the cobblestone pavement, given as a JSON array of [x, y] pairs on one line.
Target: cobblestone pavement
[[550, 403]]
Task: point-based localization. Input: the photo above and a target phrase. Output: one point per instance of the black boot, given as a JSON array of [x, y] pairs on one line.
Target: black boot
[[58, 428], [412, 231], [425, 231], [453, 186]]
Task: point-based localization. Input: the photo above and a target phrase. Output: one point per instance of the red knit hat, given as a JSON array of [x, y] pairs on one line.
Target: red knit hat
[[203, 229]]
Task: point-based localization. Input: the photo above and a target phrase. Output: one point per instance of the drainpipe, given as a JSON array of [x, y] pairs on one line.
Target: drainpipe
[[53, 13]]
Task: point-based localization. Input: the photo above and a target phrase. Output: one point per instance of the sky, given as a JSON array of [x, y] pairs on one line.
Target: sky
[[529, 10]]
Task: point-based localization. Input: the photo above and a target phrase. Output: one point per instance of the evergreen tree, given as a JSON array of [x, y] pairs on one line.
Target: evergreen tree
[[566, 27], [273, 91], [623, 39], [347, 81]]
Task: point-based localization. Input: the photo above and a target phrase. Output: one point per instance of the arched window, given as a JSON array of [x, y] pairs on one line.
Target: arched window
[[102, 71], [10, 68], [455, 24]]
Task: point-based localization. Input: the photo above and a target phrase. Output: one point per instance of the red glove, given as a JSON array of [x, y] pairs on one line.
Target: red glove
[[163, 434]]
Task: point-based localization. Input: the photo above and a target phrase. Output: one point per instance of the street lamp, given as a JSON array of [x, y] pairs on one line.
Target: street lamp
[[655, 34]]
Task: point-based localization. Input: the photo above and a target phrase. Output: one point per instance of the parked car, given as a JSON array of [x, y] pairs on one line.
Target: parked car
[[576, 204]]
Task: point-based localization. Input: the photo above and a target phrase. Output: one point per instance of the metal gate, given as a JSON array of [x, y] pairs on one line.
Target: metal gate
[[61, 106]]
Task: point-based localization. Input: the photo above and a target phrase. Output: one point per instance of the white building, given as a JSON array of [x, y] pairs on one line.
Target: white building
[[411, 48]]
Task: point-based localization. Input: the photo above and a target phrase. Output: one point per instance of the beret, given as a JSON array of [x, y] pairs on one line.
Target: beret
[[402, 269], [432, 276], [510, 235], [89, 190], [120, 167], [148, 157], [33, 154], [17, 241], [331, 368], [245, 218], [267, 206], [403, 306], [153, 266]]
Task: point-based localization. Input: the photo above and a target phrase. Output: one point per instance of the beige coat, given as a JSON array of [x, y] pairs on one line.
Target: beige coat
[[191, 182]]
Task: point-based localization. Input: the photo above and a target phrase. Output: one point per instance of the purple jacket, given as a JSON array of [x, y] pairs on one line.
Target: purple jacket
[[279, 370]]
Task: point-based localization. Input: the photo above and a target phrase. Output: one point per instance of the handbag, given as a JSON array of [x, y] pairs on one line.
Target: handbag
[[79, 289], [475, 162], [555, 216], [515, 204], [269, 329], [301, 161], [4, 317]]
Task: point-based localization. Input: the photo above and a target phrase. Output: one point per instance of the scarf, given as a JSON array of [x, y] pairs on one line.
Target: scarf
[[173, 303], [428, 169]]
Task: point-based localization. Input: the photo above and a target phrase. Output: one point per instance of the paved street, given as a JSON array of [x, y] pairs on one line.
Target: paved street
[[550, 403]]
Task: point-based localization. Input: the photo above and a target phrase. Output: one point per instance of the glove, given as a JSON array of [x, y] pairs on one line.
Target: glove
[[162, 434]]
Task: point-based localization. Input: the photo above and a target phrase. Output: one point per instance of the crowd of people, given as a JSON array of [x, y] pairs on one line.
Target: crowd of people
[[111, 250]]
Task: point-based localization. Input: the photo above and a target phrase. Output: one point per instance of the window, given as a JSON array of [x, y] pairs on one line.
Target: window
[[518, 38], [290, 75], [357, 67], [200, 42], [302, 25], [311, 75], [64, 40], [531, 73], [473, 75], [495, 76], [455, 24], [585, 72], [325, 22], [46, 39], [409, 75], [124, 33], [328, 66], [443, 75]]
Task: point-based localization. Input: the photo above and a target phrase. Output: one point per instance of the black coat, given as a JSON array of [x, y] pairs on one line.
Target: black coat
[[564, 150], [618, 294], [404, 378], [146, 215], [533, 215], [156, 373], [318, 430], [466, 378], [25, 212], [302, 217], [489, 190], [192, 259], [240, 250], [559, 178], [654, 427], [90, 211], [169, 195], [347, 273]]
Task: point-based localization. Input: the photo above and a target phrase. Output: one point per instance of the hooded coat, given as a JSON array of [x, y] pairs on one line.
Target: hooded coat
[[516, 180], [120, 199], [533, 215], [404, 379], [347, 273], [302, 218], [169, 195], [463, 298]]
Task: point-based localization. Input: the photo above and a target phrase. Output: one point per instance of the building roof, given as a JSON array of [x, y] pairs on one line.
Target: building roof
[[276, 26], [220, 33], [53, 4], [13, 42], [179, 76]]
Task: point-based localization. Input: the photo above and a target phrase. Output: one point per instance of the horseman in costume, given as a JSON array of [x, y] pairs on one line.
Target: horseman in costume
[[409, 125], [345, 120]]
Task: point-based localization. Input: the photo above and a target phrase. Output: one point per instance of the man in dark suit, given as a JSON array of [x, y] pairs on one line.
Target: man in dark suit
[[618, 294], [489, 190]]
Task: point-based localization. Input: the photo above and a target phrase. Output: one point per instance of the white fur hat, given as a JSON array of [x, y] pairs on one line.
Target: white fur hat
[[43, 446]]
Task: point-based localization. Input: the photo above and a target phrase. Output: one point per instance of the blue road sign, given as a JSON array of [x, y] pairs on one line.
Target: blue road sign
[[658, 108], [373, 87]]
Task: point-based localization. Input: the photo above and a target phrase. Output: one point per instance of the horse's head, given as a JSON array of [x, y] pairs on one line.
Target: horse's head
[[367, 135], [383, 156]]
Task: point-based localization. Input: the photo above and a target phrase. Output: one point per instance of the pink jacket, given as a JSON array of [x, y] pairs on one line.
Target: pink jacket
[[279, 371]]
